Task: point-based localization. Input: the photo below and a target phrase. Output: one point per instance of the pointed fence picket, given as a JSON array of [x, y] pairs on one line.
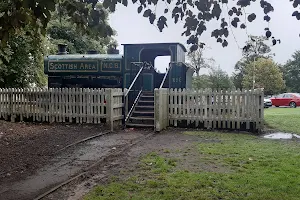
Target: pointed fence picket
[[62, 105], [235, 109]]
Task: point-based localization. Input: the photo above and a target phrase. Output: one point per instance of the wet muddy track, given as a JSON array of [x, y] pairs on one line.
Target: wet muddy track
[[25, 147], [126, 164], [107, 160], [76, 159]]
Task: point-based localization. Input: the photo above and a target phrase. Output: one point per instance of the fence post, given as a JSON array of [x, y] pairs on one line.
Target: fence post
[[125, 104], [262, 121], [165, 104], [110, 108], [157, 110]]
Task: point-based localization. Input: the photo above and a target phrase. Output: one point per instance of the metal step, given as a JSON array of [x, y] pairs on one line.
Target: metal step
[[146, 101], [139, 125], [147, 96], [148, 120], [142, 118], [148, 107], [143, 112]]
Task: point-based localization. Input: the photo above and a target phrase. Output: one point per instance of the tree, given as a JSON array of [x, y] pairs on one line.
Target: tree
[[255, 48], [21, 62], [195, 14], [24, 64], [87, 16], [202, 81], [291, 73], [217, 79], [220, 79], [61, 30], [197, 60], [267, 75]]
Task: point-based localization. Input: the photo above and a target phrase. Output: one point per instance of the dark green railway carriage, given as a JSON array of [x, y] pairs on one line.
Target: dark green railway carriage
[[94, 70], [87, 71]]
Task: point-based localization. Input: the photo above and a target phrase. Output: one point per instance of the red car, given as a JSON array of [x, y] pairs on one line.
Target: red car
[[287, 99]]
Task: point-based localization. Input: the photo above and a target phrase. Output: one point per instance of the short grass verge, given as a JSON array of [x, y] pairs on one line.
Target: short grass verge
[[260, 169], [283, 119]]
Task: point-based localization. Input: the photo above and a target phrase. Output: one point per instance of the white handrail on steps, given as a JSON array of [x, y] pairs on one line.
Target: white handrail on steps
[[165, 77], [133, 105], [135, 78]]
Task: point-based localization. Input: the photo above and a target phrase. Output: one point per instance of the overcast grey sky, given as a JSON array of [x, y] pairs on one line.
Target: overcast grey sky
[[134, 28]]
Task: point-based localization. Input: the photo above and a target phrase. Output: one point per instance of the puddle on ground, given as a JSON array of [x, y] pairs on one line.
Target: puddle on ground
[[281, 135]]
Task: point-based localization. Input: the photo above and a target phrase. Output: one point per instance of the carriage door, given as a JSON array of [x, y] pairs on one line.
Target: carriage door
[[148, 82]]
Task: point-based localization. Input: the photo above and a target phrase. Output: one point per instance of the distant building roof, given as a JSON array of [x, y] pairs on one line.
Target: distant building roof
[[172, 43]]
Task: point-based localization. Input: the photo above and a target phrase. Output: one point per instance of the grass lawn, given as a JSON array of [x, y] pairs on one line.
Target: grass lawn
[[283, 119], [256, 169]]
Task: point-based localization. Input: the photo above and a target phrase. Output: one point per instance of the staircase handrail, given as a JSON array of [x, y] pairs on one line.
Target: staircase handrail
[[133, 82], [126, 96], [165, 77], [134, 103]]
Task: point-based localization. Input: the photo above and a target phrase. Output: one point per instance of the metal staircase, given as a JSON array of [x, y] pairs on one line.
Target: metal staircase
[[143, 111], [139, 103]]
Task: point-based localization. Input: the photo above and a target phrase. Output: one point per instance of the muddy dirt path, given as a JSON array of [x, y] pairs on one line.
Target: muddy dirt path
[[169, 143], [25, 147], [64, 165]]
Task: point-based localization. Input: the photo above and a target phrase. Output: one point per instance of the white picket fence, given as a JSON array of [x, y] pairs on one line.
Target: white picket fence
[[237, 110], [62, 105]]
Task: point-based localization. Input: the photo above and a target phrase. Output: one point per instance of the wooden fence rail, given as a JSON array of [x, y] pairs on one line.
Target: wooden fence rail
[[238, 110], [62, 105]]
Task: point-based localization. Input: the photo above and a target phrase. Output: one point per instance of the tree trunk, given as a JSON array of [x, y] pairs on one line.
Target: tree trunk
[[197, 72]]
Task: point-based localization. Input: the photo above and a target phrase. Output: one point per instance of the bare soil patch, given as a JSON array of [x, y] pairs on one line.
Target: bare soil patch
[[27, 154], [26, 147]]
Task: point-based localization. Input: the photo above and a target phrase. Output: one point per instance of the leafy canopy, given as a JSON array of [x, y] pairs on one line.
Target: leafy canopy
[[195, 15], [267, 75], [62, 30], [216, 79], [17, 14], [291, 73], [21, 56], [23, 62], [256, 47]]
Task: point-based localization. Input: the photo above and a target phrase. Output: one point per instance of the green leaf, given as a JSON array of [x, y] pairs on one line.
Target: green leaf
[[125, 2], [106, 3], [147, 13], [216, 11], [140, 8], [184, 6], [112, 7], [193, 47], [154, 2], [152, 18], [176, 18], [161, 23]]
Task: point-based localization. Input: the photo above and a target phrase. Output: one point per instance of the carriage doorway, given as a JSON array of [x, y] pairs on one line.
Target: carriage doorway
[[159, 59], [161, 63]]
